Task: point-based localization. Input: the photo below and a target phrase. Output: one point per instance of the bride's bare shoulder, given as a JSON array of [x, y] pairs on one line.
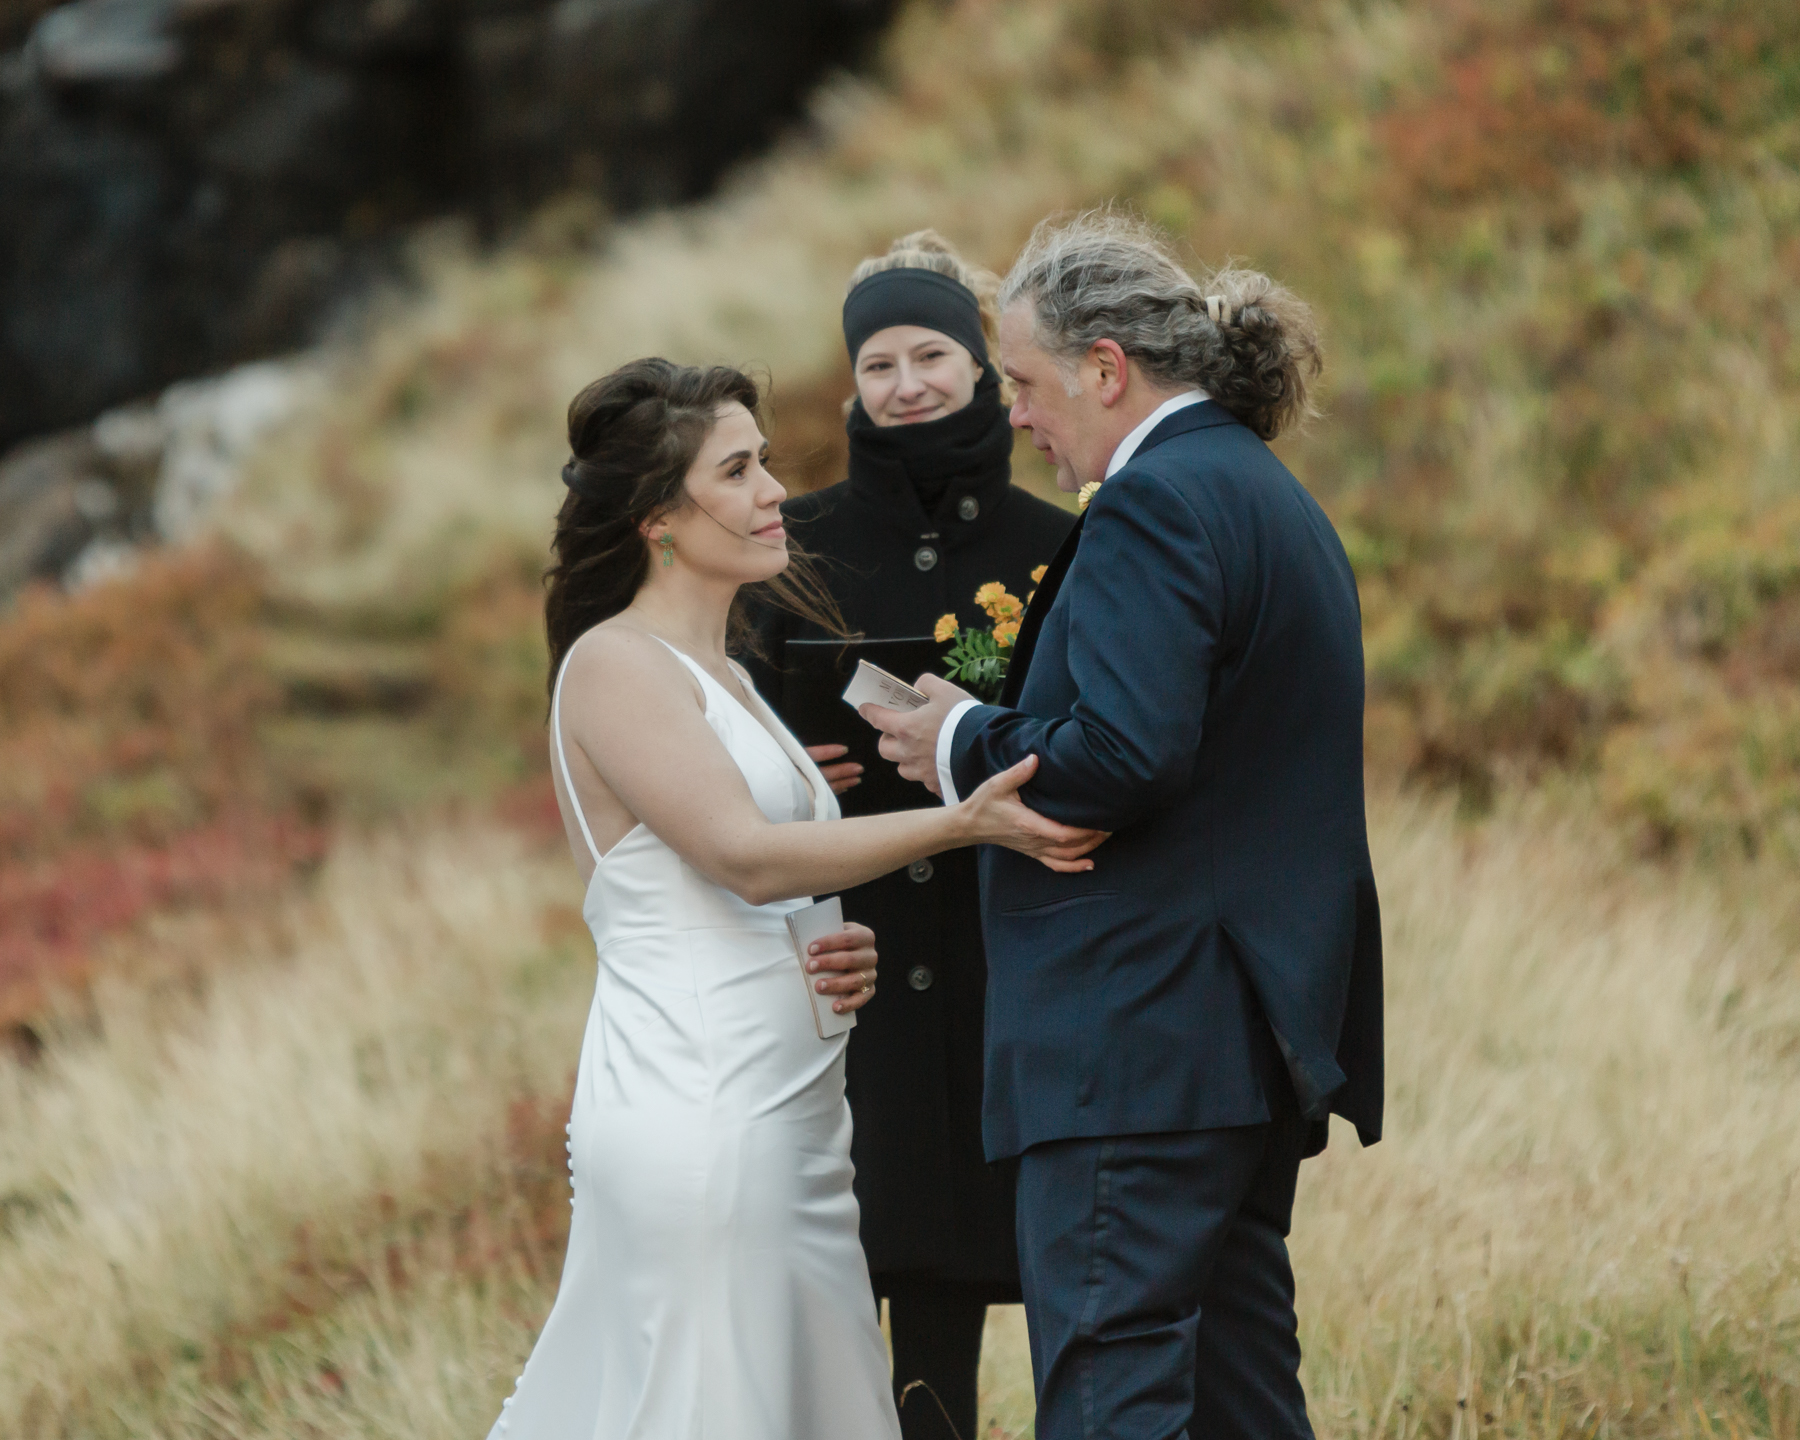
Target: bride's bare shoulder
[[616, 654]]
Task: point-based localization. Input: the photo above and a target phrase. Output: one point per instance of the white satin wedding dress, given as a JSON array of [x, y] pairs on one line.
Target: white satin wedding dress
[[714, 1287]]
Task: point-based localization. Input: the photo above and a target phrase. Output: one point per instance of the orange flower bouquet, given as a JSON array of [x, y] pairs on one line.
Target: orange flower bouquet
[[978, 658]]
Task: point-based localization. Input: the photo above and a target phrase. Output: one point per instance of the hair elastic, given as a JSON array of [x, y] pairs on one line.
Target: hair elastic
[[1218, 308], [581, 483]]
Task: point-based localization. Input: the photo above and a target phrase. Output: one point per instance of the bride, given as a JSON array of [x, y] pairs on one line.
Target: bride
[[714, 1287]]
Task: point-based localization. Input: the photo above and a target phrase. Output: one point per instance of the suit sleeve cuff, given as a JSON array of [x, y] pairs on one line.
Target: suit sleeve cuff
[[946, 739]]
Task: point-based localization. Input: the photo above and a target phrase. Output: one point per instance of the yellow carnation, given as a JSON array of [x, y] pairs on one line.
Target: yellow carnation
[[946, 629], [994, 598], [1005, 633], [1037, 575]]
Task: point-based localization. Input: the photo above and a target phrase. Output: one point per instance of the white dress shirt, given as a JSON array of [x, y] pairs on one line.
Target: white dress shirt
[[1121, 457]]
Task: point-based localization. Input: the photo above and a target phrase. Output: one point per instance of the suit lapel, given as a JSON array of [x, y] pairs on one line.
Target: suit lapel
[[1189, 418], [1041, 600]]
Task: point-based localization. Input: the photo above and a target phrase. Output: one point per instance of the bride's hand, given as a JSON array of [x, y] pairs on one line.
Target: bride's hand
[[999, 817], [843, 966]]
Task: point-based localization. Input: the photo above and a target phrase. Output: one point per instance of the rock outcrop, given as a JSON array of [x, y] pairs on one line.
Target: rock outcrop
[[75, 507], [185, 184]]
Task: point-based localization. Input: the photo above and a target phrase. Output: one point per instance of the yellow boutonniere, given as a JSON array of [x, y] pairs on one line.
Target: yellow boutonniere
[[1085, 495]]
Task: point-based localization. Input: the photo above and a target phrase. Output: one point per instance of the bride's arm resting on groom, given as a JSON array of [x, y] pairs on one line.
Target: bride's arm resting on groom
[[638, 722]]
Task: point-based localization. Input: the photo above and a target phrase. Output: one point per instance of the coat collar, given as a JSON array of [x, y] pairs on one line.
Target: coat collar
[[968, 455]]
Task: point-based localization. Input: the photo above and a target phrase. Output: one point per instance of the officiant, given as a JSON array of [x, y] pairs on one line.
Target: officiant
[[927, 516]]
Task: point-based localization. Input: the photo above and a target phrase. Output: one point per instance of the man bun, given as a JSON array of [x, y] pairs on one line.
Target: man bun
[[1106, 275]]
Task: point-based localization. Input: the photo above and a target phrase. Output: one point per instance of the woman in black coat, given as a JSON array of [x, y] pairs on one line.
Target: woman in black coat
[[927, 516]]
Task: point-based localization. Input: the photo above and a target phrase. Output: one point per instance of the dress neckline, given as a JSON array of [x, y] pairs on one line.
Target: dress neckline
[[782, 738]]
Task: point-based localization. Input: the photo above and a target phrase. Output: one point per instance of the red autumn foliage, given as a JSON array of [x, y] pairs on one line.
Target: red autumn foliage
[[130, 777], [141, 765], [1530, 93], [131, 707], [52, 910]]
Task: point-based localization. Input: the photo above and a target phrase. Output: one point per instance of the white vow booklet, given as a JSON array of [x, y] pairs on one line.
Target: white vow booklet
[[871, 685], [815, 922]]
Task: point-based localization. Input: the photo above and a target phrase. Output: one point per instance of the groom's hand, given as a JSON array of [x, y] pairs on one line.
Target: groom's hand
[[909, 737]]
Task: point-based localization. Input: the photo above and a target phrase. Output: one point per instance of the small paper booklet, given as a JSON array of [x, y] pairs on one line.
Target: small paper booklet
[[871, 685], [815, 922]]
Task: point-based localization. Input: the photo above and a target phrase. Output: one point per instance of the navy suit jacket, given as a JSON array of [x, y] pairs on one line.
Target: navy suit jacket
[[1190, 675]]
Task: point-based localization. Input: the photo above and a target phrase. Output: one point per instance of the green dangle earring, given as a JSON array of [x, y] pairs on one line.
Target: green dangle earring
[[668, 544]]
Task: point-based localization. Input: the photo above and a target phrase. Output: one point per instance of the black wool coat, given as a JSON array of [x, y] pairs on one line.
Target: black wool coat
[[931, 1204]]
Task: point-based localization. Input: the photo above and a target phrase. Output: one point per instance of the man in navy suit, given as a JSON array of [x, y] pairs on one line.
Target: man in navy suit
[[1168, 1033]]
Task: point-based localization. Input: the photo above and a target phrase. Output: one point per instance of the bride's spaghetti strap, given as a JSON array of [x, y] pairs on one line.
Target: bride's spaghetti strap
[[562, 759]]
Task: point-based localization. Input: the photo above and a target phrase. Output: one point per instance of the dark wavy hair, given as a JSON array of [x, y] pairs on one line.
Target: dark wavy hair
[[1251, 344], [633, 436]]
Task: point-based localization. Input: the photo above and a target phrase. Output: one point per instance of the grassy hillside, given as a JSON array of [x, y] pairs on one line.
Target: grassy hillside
[[287, 1159], [1556, 249]]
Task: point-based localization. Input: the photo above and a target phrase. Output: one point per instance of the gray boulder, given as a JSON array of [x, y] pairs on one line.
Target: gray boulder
[[76, 507]]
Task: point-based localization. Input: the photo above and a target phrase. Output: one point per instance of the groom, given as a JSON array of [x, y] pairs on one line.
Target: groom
[[1167, 1033]]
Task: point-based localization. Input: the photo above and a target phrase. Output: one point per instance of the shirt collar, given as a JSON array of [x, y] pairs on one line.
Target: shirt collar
[[1129, 445]]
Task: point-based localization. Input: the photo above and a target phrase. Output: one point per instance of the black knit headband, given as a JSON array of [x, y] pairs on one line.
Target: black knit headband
[[913, 297]]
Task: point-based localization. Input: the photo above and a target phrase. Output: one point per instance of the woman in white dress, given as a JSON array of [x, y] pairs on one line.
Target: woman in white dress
[[714, 1287]]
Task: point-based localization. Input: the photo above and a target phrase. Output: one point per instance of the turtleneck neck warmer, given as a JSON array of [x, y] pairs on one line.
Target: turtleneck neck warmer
[[919, 469]]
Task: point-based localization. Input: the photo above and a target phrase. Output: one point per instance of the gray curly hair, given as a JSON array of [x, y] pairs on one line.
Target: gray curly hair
[[1249, 343]]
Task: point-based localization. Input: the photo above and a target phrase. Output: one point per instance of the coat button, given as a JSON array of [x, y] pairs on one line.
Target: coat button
[[920, 977], [968, 507], [925, 557], [920, 871]]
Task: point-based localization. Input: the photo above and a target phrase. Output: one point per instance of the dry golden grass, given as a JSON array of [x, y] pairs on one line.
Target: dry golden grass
[[1584, 1213], [192, 1166], [319, 1194]]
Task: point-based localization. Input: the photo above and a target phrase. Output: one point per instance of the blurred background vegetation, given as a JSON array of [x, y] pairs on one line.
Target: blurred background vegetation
[[1555, 245]]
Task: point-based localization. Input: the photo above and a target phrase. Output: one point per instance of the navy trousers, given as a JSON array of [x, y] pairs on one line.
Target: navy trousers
[[1157, 1284]]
